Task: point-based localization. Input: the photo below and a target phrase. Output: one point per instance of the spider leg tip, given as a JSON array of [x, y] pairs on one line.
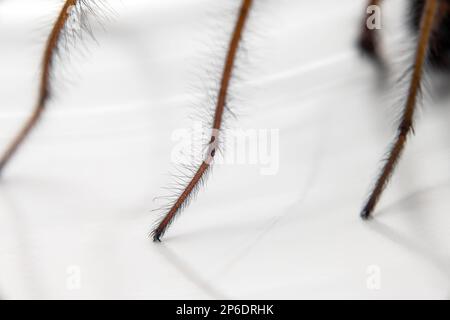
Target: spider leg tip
[[366, 214], [156, 237]]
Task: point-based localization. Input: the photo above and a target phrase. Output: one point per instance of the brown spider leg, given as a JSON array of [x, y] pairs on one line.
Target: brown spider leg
[[406, 124], [217, 123], [44, 91], [368, 39]]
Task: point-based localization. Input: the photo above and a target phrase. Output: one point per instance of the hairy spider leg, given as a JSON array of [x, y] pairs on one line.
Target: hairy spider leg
[[406, 124]]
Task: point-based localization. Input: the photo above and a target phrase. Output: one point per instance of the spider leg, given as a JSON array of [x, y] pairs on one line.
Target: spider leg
[[18, 140], [368, 39], [439, 56], [406, 123], [45, 86], [227, 72]]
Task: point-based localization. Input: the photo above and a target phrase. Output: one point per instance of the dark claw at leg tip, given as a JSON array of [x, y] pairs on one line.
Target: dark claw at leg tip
[[365, 215]]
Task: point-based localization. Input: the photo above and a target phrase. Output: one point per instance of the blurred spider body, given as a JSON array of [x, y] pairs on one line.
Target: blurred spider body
[[439, 51], [439, 44], [430, 19]]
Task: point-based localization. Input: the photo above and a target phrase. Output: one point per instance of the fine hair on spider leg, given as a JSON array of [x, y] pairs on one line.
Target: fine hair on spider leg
[[198, 175], [405, 127], [71, 24]]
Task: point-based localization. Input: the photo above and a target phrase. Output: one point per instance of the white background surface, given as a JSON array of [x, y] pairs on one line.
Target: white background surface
[[79, 194]]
